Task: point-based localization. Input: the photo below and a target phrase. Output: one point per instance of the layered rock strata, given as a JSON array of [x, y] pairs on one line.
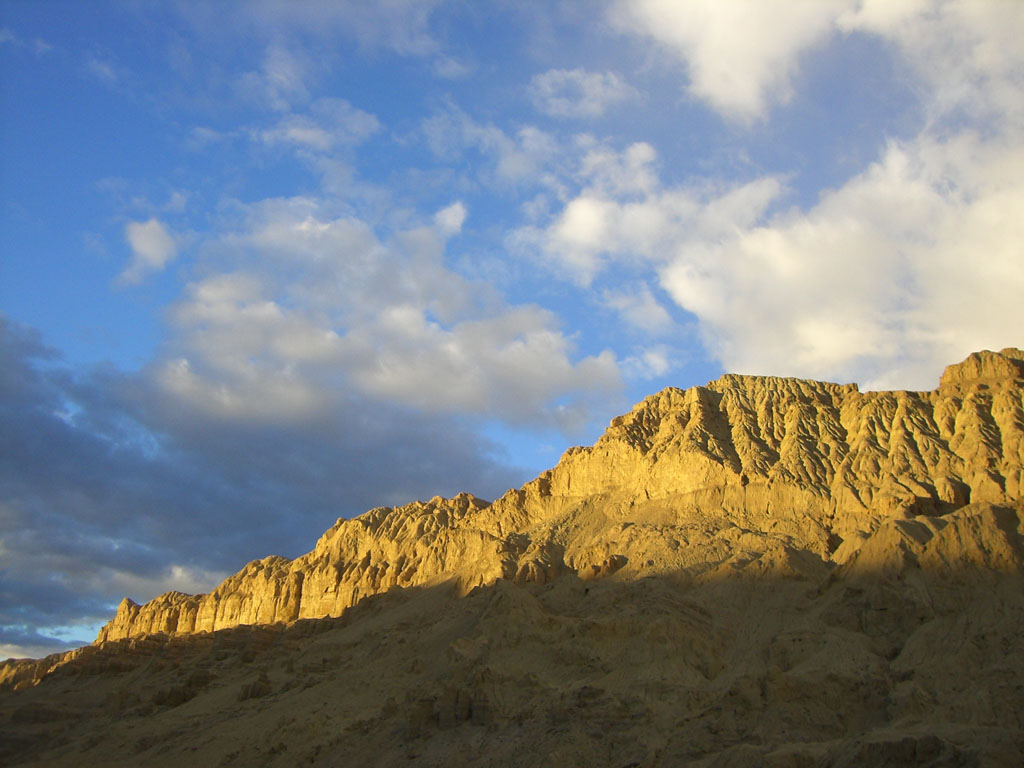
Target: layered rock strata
[[748, 473]]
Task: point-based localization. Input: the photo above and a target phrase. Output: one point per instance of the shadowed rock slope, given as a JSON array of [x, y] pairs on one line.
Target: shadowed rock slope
[[762, 571]]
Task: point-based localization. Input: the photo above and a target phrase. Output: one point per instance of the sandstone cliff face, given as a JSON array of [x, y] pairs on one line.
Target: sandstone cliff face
[[759, 572], [406, 546], [749, 473]]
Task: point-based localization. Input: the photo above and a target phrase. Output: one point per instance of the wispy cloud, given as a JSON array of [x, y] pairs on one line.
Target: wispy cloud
[[524, 156], [102, 69], [330, 123], [578, 93], [281, 81], [37, 45], [402, 26]]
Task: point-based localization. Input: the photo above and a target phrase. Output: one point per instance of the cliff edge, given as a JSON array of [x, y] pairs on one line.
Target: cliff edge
[[747, 473]]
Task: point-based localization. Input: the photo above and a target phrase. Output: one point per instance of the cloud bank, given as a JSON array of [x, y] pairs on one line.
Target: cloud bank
[[115, 484]]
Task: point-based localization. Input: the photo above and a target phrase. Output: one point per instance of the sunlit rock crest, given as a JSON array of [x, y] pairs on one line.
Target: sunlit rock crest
[[745, 475]]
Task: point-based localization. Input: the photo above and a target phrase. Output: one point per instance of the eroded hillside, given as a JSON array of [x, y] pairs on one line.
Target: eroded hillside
[[747, 468], [759, 572]]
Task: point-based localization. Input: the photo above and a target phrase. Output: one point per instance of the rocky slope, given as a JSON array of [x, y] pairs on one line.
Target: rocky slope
[[689, 482], [757, 572]]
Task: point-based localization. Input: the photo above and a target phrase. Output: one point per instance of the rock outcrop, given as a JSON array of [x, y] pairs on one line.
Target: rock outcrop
[[775, 474], [759, 572]]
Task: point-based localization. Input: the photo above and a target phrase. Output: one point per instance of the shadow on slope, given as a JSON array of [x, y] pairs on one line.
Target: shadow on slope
[[875, 666]]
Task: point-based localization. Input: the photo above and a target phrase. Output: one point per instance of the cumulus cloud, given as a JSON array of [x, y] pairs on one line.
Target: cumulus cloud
[[740, 56], [512, 366], [578, 93], [884, 279], [965, 53], [324, 306], [152, 248], [911, 264], [622, 214]]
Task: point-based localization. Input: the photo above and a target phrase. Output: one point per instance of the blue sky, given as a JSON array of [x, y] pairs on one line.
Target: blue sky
[[266, 264]]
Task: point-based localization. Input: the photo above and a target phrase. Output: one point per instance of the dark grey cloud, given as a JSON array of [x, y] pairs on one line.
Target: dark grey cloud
[[110, 487]]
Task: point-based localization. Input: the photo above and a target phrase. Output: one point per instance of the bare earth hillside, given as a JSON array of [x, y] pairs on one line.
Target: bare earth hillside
[[761, 571]]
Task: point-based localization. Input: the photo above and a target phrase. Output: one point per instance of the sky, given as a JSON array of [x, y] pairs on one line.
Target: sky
[[266, 264]]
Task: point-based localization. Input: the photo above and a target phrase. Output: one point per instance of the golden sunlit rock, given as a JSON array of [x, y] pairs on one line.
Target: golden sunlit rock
[[761, 571]]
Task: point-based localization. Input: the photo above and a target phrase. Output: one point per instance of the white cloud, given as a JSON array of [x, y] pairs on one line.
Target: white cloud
[[102, 70], [449, 220], [622, 214], [152, 248], [176, 201], [280, 82], [529, 156], [740, 55], [330, 124], [451, 69], [400, 25], [915, 261], [640, 309], [911, 264], [37, 44], [650, 363], [323, 308], [610, 172], [968, 53], [510, 365], [578, 93], [202, 137], [299, 130]]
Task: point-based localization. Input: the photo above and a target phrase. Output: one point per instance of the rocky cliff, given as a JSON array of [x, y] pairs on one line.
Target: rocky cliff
[[779, 475], [759, 572]]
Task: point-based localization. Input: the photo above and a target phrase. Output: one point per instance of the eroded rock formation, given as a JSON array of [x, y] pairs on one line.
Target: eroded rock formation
[[759, 572], [778, 475]]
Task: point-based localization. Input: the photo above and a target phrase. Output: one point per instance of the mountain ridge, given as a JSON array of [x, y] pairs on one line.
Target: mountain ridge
[[766, 572], [813, 466]]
